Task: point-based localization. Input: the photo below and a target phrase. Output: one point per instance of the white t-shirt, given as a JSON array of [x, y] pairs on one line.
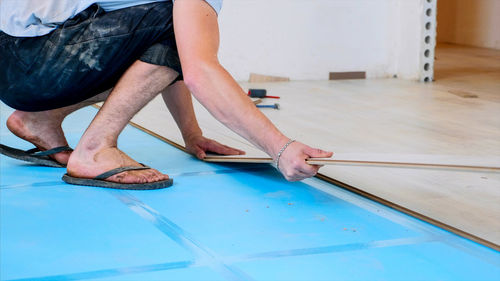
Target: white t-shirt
[[31, 18]]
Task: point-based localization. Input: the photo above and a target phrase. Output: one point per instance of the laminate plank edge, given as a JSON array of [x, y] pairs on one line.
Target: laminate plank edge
[[326, 161]]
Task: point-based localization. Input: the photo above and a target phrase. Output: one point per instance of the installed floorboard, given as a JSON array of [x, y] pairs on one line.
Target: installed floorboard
[[394, 120]]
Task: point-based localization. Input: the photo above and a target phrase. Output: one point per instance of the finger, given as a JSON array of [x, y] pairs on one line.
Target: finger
[[302, 175], [200, 154], [225, 146], [317, 153], [299, 176], [307, 169], [310, 172], [222, 149], [233, 150], [296, 175], [240, 152], [304, 172], [292, 176]]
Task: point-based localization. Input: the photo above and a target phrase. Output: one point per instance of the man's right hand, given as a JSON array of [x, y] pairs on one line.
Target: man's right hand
[[292, 163]]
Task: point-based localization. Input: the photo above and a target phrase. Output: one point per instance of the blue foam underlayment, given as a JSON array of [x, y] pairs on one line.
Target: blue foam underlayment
[[217, 222]]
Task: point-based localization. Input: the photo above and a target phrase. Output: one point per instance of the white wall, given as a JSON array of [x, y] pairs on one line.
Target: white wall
[[307, 39], [469, 22]]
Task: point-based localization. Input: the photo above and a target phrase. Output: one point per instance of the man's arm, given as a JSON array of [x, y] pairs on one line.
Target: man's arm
[[178, 100], [197, 36]]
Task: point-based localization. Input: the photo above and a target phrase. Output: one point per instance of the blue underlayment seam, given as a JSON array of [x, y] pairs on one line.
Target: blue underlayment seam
[[201, 253], [37, 184], [186, 174], [335, 248], [111, 272], [238, 259]]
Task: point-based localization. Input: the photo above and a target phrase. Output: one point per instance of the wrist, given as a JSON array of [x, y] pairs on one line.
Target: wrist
[[276, 145], [280, 153], [187, 136]]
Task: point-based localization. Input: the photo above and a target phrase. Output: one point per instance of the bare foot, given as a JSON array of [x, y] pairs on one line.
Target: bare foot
[[42, 129], [89, 163]]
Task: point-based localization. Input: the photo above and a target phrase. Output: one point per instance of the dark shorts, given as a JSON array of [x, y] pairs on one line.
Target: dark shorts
[[85, 56]]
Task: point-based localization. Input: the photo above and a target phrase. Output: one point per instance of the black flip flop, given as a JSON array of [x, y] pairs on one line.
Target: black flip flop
[[35, 155], [100, 181]]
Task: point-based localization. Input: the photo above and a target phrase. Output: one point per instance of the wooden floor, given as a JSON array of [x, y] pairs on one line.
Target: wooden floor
[[455, 120], [468, 72]]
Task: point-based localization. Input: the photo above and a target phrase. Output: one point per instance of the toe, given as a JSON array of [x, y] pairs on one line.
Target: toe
[[152, 176], [157, 175]]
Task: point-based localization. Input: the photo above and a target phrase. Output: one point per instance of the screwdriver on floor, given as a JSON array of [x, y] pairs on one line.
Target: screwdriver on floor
[[275, 106]]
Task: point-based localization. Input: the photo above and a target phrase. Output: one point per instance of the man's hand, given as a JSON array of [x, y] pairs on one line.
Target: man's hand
[[199, 146], [292, 161]]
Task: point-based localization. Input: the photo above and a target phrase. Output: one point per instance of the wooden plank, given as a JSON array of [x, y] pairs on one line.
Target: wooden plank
[[327, 161], [259, 78], [230, 159], [257, 101]]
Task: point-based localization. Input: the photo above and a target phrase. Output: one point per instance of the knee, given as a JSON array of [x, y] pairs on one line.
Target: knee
[[144, 71]]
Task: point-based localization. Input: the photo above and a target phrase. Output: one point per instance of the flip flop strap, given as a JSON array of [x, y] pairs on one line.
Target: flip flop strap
[[37, 152], [120, 170]]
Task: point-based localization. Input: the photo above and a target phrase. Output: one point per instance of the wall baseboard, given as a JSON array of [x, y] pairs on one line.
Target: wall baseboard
[[347, 75]]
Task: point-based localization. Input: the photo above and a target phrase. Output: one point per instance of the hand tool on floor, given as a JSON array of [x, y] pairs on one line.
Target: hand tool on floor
[[260, 93], [275, 106], [257, 101]]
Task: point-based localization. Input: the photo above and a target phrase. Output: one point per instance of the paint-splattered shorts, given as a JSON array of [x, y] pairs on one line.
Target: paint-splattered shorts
[[85, 56]]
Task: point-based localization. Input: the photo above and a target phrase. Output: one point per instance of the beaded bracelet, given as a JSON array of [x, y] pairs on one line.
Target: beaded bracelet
[[281, 151]]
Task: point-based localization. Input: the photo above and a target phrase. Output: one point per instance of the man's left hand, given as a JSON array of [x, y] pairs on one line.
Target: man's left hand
[[199, 146]]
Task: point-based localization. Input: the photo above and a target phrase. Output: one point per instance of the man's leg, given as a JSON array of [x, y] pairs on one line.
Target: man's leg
[[97, 150], [43, 129]]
